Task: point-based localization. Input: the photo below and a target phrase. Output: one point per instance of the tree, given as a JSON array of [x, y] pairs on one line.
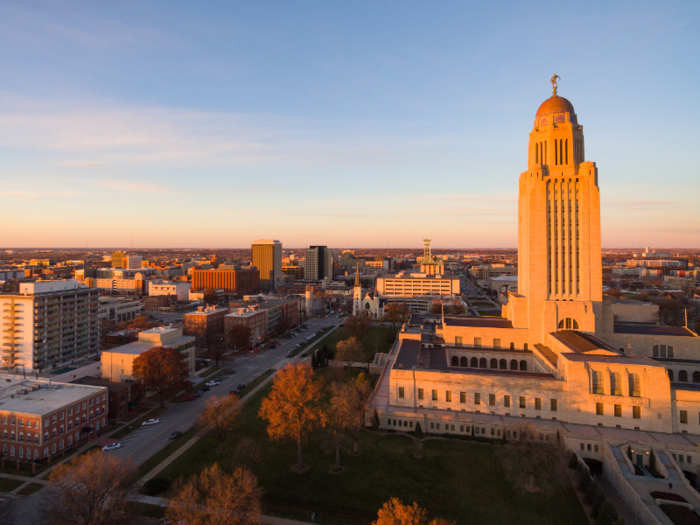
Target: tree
[[418, 432], [358, 325], [92, 489], [215, 498], [337, 420], [436, 307], [458, 307], [293, 407], [395, 313], [394, 512], [239, 336], [350, 399], [163, 370], [247, 454], [532, 463], [219, 417], [350, 350], [210, 296], [216, 346]]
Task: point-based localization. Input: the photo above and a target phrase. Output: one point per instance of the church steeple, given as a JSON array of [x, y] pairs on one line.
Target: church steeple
[[358, 284]]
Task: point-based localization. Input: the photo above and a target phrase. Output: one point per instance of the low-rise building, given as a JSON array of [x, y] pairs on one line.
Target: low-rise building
[[122, 397], [205, 321], [41, 419], [251, 317], [117, 363], [179, 289], [118, 309]]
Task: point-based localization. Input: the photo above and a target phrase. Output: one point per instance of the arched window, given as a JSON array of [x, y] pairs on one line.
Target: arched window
[[615, 384], [568, 324], [36, 454], [455, 360], [670, 375], [494, 363], [523, 366], [482, 362], [70, 426], [683, 376], [61, 447], [12, 435], [503, 364], [53, 433], [70, 440], [598, 384], [513, 364], [512, 346], [21, 452], [525, 346], [12, 451], [21, 437], [46, 452], [53, 448], [63, 430], [463, 361], [475, 362], [36, 439], [696, 377], [635, 385]]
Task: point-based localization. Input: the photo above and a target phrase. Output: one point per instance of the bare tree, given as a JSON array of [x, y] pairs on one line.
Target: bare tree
[[239, 336], [350, 350], [532, 463], [215, 498], [358, 325], [219, 417], [92, 489]]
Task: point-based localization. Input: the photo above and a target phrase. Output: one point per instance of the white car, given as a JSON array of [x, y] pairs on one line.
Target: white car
[[213, 383], [150, 422], [113, 446]]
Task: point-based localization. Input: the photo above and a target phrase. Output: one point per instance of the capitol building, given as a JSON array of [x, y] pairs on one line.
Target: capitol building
[[602, 377]]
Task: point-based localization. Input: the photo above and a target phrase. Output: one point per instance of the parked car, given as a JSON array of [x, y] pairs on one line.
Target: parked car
[[190, 397], [113, 446], [233, 392], [241, 386], [205, 388], [174, 435], [233, 371], [150, 422], [199, 393]]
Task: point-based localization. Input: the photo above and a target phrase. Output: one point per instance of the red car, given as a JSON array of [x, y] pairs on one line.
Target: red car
[[233, 393], [190, 397]]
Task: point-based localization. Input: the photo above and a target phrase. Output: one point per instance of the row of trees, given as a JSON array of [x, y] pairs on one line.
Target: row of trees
[[295, 408]]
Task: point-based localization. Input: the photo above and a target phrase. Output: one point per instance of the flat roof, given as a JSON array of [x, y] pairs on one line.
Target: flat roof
[[141, 346], [43, 400], [620, 359], [653, 329], [479, 322], [581, 342]]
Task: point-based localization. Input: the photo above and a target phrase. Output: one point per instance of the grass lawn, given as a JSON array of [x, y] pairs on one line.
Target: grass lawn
[[209, 372], [160, 456], [377, 339], [457, 480], [31, 489], [8, 485]]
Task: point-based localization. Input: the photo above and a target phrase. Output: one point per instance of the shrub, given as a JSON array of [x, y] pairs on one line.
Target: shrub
[[607, 515], [592, 491], [418, 432], [573, 461], [155, 486], [585, 481]]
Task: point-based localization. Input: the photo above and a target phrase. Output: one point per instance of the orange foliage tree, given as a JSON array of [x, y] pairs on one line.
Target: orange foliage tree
[[394, 512], [163, 370], [219, 417], [293, 407]]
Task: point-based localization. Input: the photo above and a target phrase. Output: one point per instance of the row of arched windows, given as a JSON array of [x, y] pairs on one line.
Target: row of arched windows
[[493, 363], [683, 376], [568, 324]]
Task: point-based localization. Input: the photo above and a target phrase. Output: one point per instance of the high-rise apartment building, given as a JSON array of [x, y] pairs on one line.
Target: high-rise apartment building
[[319, 263], [236, 280], [49, 324], [267, 257]]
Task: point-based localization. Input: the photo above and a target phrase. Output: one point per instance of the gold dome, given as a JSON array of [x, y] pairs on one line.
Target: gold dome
[[555, 104]]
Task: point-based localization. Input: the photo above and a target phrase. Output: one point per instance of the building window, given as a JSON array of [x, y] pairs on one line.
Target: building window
[[522, 402], [684, 417], [420, 393], [538, 403], [523, 366], [683, 376], [474, 362], [435, 395], [401, 392], [497, 343], [655, 351], [494, 363], [670, 375], [477, 399], [448, 396], [492, 399], [598, 386], [615, 384], [477, 342], [553, 405], [618, 410], [670, 351], [482, 362], [506, 401], [462, 397], [458, 341], [599, 409], [635, 387], [513, 364]]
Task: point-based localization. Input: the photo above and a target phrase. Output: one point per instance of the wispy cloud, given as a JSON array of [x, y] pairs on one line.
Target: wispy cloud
[[140, 187]]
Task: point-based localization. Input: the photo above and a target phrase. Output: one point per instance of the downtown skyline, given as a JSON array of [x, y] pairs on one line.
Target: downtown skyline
[[333, 124]]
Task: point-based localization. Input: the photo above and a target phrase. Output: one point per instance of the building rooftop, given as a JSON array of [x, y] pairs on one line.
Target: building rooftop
[[653, 329], [41, 397], [207, 310], [419, 275], [581, 342], [481, 322]]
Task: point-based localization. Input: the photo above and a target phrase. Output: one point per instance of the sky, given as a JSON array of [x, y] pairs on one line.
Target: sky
[[351, 124]]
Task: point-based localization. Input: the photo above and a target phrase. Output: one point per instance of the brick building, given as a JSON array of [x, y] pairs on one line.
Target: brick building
[[122, 397], [253, 318], [233, 280], [40, 419], [206, 320]]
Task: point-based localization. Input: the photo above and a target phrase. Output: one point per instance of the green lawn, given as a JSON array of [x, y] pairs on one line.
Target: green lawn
[[8, 485], [136, 424], [31, 489], [377, 339], [160, 456], [457, 480]]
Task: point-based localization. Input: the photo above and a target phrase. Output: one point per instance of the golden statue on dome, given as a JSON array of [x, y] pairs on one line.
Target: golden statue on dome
[[553, 80]]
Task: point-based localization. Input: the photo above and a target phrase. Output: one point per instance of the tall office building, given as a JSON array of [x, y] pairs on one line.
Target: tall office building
[[133, 262], [319, 263], [267, 257], [49, 324], [118, 259]]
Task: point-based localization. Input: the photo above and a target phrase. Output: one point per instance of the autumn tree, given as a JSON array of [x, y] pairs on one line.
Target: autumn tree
[[458, 307], [395, 512], [163, 370], [395, 313], [219, 417], [358, 325], [531, 463], [349, 401], [215, 498], [239, 336], [210, 296], [293, 408], [92, 489], [336, 422], [350, 350]]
